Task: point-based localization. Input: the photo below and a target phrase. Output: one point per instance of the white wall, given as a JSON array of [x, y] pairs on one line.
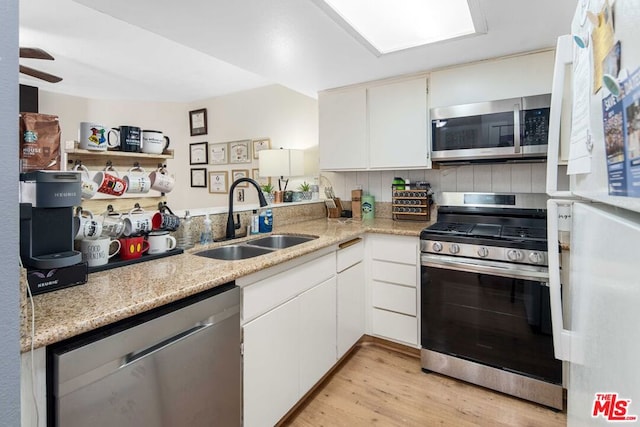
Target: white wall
[[9, 226], [288, 118]]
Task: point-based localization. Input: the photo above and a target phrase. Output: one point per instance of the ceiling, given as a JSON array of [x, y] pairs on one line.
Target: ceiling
[[184, 51]]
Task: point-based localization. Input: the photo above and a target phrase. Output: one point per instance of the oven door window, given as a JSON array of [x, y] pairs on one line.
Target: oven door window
[[497, 321]]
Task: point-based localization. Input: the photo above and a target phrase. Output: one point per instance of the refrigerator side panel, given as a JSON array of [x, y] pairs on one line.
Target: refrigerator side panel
[[605, 307]]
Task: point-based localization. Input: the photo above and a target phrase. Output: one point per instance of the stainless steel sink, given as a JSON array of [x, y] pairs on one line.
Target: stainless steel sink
[[280, 241], [234, 252]]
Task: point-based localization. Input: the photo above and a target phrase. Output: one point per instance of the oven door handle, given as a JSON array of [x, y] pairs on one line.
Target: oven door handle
[[515, 271]]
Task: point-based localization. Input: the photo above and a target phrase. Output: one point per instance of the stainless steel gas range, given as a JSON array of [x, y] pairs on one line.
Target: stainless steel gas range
[[485, 298]]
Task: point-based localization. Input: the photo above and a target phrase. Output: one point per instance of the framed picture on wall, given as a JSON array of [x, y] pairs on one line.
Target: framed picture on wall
[[259, 145], [240, 151], [198, 122], [255, 174], [240, 173], [218, 181], [218, 154], [198, 153], [199, 177]]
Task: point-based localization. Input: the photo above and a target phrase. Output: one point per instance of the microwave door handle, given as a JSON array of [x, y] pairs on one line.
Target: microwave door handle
[[561, 336], [516, 128]]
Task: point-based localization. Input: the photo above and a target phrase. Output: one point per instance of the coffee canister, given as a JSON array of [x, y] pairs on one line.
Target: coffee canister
[[368, 207]]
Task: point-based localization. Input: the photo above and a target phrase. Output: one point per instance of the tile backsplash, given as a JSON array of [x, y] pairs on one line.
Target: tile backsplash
[[518, 178]]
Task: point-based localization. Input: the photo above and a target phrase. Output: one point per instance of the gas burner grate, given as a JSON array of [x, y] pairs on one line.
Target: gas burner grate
[[527, 233], [451, 227]]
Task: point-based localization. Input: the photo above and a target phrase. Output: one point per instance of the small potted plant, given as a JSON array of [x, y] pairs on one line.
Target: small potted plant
[[305, 187], [267, 189]]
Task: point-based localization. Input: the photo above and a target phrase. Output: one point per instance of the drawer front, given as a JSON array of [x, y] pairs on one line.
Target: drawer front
[[350, 255], [402, 249], [402, 274], [396, 298], [395, 326], [269, 293]]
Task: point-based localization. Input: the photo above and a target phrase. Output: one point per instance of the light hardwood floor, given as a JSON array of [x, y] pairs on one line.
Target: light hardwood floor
[[379, 386]]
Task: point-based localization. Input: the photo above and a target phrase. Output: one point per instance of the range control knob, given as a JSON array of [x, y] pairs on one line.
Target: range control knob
[[514, 255], [483, 252], [536, 257], [437, 246], [454, 248]]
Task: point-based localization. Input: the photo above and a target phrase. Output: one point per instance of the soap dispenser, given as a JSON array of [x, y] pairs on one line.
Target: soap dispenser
[[206, 236]]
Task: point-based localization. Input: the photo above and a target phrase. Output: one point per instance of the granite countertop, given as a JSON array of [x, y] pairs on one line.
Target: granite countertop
[[119, 293]]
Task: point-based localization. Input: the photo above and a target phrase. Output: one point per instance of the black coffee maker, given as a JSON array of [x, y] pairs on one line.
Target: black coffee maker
[[47, 200]]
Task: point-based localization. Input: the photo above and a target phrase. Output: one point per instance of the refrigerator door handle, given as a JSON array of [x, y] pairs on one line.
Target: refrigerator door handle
[[564, 56], [561, 336]]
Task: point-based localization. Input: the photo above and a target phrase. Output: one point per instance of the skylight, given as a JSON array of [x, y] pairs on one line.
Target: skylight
[[386, 26]]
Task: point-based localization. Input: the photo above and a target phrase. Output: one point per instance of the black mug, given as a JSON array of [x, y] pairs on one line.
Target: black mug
[[127, 138]]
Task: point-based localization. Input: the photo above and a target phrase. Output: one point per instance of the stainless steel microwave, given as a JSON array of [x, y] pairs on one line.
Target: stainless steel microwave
[[485, 131]]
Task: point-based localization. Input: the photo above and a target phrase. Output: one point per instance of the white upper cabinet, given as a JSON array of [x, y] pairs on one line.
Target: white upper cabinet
[[343, 129], [398, 125], [381, 125], [503, 78]]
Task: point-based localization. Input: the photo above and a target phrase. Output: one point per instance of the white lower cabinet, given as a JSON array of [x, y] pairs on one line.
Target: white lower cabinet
[[393, 288], [317, 333], [351, 292], [271, 354], [289, 341]]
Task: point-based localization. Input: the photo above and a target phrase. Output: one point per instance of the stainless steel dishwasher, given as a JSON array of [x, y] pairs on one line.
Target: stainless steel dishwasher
[[179, 365]]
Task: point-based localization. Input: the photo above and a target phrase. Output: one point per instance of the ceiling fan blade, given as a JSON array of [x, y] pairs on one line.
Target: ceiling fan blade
[[35, 53], [40, 74]]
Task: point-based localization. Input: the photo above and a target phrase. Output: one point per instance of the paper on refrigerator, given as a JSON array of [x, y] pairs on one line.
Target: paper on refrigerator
[[580, 146]]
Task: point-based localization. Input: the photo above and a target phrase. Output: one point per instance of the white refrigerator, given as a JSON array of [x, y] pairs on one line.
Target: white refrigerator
[[596, 308]]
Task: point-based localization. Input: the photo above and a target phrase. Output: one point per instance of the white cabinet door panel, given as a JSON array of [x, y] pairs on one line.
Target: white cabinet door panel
[[351, 307], [398, 124], [271, 364], [272, 291], [402, 274], [317, 329], [395, 326], [343, 129], [401, 299], [400, 249]]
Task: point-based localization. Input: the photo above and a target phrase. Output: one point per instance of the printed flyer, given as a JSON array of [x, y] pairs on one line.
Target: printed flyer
[[621, 120]]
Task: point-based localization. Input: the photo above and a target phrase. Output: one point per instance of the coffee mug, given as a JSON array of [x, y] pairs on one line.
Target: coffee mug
[[112, 224], [88, 187], [88, 229], [137, 180], [160, 242], [165, 221], [127, 138], [110, 183], [97, 252], [133, 247], [93, 136], [136, 222], [161, 180], [154, 142]]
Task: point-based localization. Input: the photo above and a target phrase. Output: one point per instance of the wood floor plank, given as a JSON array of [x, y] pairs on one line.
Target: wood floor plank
[[379, 386]]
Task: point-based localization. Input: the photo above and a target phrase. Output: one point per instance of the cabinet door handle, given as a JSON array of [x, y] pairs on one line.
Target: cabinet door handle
[[348, 243]]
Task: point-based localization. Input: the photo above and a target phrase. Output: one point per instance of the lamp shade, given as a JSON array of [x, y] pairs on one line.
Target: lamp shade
[[281, 163]]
